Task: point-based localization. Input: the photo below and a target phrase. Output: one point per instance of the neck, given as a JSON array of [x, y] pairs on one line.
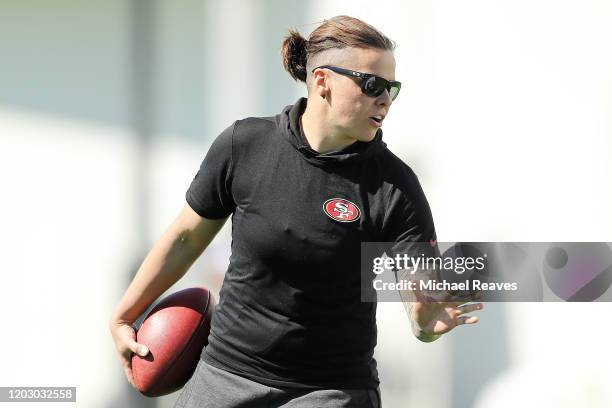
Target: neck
[[321, 136]]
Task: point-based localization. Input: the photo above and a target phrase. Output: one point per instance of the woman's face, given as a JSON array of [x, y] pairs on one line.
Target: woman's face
[[350, 109]]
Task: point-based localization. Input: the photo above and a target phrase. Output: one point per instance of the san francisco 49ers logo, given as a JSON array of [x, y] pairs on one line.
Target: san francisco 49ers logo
[[341, 210]]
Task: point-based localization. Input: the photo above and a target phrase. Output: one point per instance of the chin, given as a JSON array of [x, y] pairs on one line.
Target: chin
[[368, 137], [362, 134]]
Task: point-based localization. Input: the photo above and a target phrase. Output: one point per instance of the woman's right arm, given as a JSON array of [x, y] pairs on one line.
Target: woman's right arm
[[169, 259]]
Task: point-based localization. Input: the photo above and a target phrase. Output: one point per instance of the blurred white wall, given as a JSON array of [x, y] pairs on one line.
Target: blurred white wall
[[504, 115]]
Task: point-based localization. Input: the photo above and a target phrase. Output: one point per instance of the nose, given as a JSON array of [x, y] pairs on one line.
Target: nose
[[384, 99]]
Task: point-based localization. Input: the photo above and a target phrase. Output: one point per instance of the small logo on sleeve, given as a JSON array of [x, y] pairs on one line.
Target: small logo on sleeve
[[341, 210]]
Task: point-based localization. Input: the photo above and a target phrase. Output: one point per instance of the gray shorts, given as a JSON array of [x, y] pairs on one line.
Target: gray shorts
[[211, 387]]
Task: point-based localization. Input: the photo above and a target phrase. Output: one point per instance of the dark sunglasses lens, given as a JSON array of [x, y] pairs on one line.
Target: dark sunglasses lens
[[394, 90], [374, 86]]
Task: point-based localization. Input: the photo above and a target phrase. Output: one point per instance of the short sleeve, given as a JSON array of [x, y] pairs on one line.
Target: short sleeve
[[210, 192], [409, 225], [411, 230]]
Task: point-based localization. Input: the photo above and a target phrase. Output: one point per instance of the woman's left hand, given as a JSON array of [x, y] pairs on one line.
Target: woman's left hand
[[432, 317]]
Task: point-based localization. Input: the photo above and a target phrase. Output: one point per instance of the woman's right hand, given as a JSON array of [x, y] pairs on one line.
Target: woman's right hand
[[124, 336], [168, 260]]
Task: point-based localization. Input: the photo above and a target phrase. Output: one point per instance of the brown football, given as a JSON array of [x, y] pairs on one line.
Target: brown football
[[175, 331]]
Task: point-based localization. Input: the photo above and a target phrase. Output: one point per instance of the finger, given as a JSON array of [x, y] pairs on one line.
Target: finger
[[459, 298], [469, 308], [467, 320], [138, 348], [127, 369], [457, 303], [456, 298]]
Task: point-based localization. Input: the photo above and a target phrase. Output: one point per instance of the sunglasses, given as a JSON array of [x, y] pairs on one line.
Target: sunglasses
[[371, 85]]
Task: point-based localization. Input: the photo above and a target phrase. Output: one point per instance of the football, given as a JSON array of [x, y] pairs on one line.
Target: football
[[175, 331]]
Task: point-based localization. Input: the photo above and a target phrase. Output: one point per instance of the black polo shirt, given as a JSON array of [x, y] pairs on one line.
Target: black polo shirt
[[289, 313]]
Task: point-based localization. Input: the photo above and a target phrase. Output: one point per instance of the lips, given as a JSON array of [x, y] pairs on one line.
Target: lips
[[377, 119]]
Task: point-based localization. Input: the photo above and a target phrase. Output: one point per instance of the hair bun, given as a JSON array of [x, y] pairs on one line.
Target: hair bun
[[294, 55]]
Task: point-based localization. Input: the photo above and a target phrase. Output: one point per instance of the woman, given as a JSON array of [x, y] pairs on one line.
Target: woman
[[304, 189]]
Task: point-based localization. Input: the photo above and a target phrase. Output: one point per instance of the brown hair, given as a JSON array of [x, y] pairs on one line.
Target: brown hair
[[337, 32]]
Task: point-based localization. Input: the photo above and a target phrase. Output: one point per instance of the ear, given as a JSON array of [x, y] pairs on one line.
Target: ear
[[320, 83]]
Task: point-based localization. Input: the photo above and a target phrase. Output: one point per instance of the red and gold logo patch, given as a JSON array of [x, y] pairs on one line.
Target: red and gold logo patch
[[341, 210]]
